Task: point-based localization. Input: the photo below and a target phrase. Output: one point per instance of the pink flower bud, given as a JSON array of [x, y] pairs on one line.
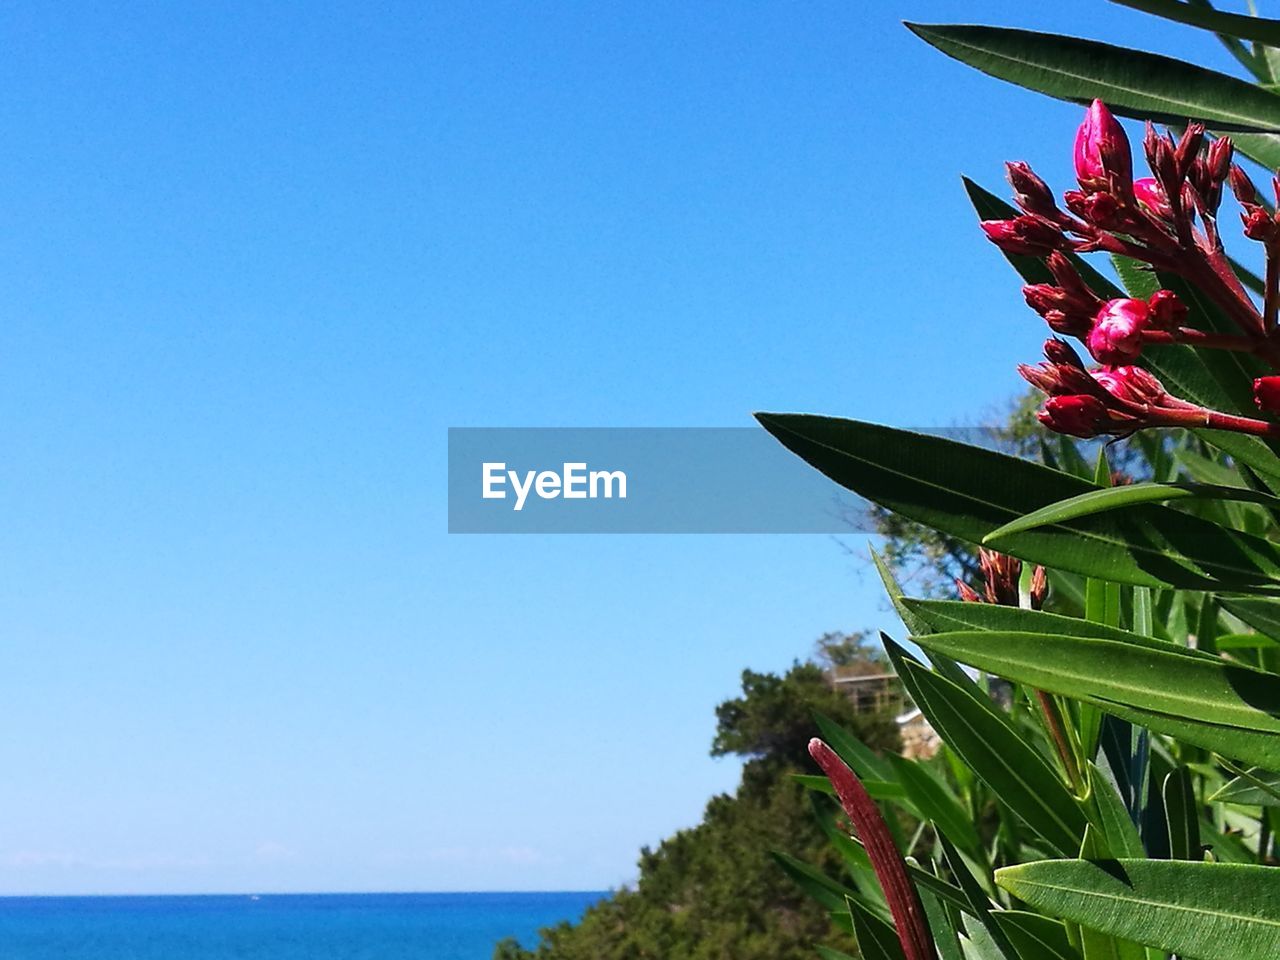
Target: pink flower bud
[[1061, 352], [1027, 235], [1030, 192], [967, 593], [1258, 224], [1102, 151], [1060, 379], [1188, 147], [1063, 312], [1266, 393], [1218, 161], [1116, 336], [1100, 209], [1151, 195], [1167, 311], [1242, 186], [1076, 416], [1131, 385]]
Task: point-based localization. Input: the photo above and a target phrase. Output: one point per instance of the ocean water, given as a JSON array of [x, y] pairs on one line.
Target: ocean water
[[422, 926]]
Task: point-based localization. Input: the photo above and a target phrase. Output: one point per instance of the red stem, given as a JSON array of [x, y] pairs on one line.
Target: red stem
[[1054, 723], [1214, 420], [1213, 341], [891, 870]]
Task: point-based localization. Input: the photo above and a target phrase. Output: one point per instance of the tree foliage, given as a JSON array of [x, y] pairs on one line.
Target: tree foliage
[[713, 892]]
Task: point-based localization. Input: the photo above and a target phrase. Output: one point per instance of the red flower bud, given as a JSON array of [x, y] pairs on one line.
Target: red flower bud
[[1077, 416], [1061, 352], [1063, 312], [1100, 209], [1242, 186], [1131, 385], [890, 869], [1039, 587], [1167, 311], [1026, 235], [1258, 224], [1060, 379], [1102, 151], [1188, 148], [1116, 336], [967, 593], [1001, 573], [1030, 192], [1160, 159], [1151, 195], [1266, 393], [1218, 161]]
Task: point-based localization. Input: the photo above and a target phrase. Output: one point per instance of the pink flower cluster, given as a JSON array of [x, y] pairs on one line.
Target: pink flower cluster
[[1167, 222]]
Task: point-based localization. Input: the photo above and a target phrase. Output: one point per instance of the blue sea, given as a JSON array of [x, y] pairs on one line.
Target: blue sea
[[422, 926]]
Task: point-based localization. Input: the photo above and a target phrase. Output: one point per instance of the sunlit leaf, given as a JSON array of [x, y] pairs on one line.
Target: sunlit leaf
[[1213, 910]]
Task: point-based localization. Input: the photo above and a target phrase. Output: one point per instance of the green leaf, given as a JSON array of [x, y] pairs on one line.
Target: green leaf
[[924, 880], [979, 901], [1116, 827], [1132, 82], [1260, 788], [1165, 678], [1206, 18], [877, 940], [997, 753], [1116, 498], [1244, 641], [1094, 944], [860, 758], [936, 803], [1182, 815], [949, 616], [1035, 936], [1259, 613], [1211, 702], [968, 492], [945, 936], [814, 882], [878, 789], [1219, 910], [895, 593]]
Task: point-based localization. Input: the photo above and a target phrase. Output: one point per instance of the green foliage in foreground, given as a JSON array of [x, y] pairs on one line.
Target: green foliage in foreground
[[1123, 799], [714, 891]]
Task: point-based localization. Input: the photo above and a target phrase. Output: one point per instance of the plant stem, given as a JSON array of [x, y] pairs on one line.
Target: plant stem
[[1271, 301], [1053, 720], [1214, 420], [1199, 338]]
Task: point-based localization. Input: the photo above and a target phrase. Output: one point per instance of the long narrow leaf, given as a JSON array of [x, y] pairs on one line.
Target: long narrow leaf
[[1169, 679], [968, 492], [1206, 18], [1139, 84], [1219, 910], [997, 753], [1116, 498]]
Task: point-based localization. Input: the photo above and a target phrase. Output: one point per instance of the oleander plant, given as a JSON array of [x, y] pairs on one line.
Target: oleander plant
[[1108, 696]]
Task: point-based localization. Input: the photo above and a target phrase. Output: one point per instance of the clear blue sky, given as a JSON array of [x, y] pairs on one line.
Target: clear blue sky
[[258, 257]]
